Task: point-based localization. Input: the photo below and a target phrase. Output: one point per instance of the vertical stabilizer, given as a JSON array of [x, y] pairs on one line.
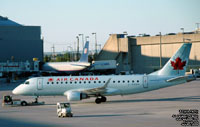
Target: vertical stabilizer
[[177, 63], [84, 55]]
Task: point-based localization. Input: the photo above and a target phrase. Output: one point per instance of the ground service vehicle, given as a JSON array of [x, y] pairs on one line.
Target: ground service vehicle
[[8, 100], [64, 110]]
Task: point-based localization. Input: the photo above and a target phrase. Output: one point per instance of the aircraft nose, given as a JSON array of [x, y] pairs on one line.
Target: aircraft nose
[[17, 90]]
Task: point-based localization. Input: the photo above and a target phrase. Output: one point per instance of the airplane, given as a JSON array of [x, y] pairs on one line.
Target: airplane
[[69, 67], [76, 88]]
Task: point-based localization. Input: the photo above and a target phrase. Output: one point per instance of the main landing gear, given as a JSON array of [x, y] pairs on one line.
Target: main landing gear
[[99, 100]]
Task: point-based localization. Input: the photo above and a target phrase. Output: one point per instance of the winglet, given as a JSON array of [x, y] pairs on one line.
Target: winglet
[[84, 55]]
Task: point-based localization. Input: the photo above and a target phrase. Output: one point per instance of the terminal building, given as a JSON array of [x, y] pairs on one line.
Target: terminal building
[[146, 54], [19, 43]]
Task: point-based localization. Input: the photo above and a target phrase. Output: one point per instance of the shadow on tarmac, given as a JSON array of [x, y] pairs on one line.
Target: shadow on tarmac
[[111, 115], [7, 122], [184, 99]]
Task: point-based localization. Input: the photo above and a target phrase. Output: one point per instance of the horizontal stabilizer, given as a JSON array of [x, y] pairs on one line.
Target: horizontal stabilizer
[[180, 78]]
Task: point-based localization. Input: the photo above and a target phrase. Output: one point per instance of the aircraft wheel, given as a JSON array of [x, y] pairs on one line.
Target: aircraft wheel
[[24, 103], [98, 100], [103, 99]]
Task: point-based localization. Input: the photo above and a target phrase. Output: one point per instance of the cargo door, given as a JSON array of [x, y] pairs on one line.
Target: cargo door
[[40, 84], [145, 81]]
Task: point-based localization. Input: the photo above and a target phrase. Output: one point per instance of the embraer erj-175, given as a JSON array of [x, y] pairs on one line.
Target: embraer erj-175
[[69, 67], [82, 87]]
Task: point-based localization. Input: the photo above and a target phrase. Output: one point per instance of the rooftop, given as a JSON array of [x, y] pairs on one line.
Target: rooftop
[[4, 21]]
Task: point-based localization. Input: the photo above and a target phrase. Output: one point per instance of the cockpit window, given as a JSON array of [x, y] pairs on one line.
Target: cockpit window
[[27, 82]]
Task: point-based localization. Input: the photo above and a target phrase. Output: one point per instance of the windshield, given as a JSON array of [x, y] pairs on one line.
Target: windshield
[[26, 82]]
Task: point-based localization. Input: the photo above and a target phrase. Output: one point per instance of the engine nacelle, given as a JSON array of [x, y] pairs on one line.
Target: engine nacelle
[[76, 96]]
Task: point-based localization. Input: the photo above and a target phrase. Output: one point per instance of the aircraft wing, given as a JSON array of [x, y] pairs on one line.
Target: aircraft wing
[[103, 90], [96, 90]]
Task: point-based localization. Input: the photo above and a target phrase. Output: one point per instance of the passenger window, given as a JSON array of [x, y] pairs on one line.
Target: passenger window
[[113, 81], [61, 82], [80, 82], [132, 81], [104, 81], [118, 81], [128, 81], [99, 81], [70, 82], [57, 82], [88, 81], [123, 81], [75, 82], [65, 82], [137, 80], [51, 82], [27, 83], [47, 82], [94, 81], [84, 81]]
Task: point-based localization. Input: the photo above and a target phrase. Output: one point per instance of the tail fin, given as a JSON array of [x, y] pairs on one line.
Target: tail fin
[[84, 55], [177, 63]]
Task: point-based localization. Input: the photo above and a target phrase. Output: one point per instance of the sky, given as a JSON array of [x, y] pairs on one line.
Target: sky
[[62, 20]]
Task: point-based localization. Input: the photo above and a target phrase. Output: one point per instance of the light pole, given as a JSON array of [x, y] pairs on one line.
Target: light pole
[[77, 54], [82, 39], [183, 34], [160, 50], [95, 42], [197, 28], [71, 53]]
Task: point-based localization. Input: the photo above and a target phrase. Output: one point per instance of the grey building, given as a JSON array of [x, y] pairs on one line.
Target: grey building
[[143, 54], [19, 43]]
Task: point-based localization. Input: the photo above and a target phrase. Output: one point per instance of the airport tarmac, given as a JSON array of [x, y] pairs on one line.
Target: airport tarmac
[[151, 109]]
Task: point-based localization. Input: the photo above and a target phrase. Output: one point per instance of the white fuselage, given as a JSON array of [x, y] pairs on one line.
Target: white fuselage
[[65, 66], [118, 85]]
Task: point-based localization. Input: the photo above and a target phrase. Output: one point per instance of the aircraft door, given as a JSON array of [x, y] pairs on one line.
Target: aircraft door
[[145, 81], [40, 84]]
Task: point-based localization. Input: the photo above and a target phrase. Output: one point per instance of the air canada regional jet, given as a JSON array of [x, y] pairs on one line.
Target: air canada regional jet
[[76, 88]]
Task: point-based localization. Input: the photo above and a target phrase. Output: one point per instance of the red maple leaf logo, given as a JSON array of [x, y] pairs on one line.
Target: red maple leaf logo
[[50, 79], [178, 64]]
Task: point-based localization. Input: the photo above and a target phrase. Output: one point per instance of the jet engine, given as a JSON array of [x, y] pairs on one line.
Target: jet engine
[[76, 96]]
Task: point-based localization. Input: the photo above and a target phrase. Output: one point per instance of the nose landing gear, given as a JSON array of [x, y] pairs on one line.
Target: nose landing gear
[[99, 100]]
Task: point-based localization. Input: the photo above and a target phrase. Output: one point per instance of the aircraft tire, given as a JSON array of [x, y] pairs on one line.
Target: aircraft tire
[[24, 103], [103, 99], [98, 101]]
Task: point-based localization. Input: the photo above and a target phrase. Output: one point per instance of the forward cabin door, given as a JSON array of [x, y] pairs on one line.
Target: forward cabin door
[[145, 81], [40, 84]]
